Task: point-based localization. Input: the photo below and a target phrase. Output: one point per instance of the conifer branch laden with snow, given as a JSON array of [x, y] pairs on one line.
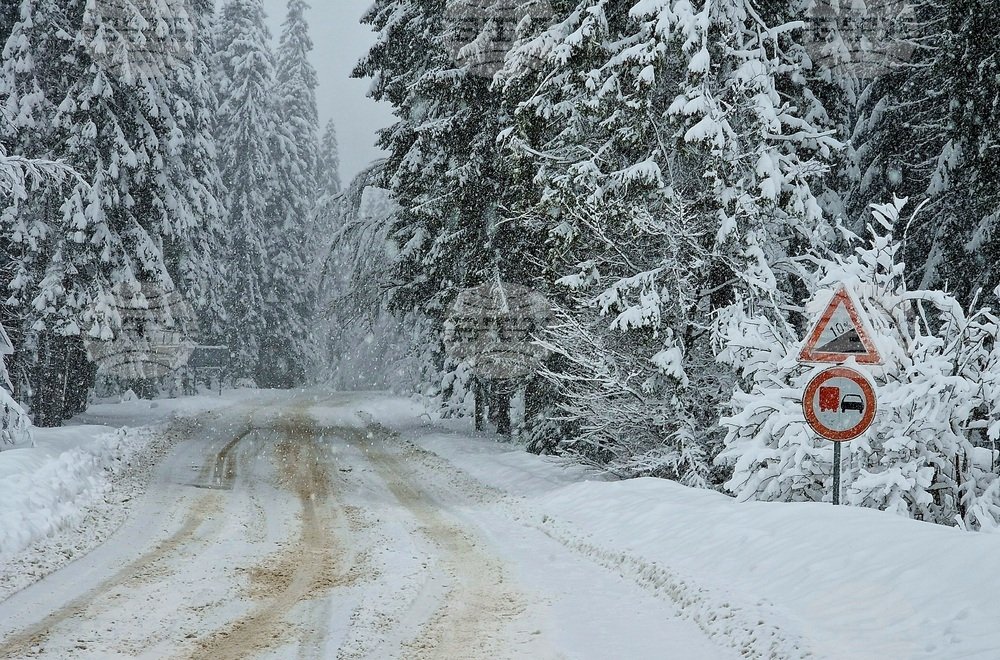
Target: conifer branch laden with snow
[[674, 177], [20, 177]]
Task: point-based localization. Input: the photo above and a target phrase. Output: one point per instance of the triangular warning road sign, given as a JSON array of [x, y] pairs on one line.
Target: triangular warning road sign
[[840, 333]]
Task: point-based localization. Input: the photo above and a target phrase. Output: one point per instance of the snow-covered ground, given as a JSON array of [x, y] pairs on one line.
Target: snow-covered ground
[[74, 487], [834, 582], [352, 525]]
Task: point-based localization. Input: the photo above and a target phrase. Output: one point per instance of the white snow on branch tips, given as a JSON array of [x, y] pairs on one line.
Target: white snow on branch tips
[[20, 176]]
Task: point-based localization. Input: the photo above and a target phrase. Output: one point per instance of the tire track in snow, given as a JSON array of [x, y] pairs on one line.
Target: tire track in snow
[[473, 617], [221, 474], [31, 641], [147, 567], [719, 617], [305, 570]]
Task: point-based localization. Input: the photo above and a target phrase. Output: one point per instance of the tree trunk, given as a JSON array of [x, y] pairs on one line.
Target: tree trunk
[[500, 409], [479, 395]]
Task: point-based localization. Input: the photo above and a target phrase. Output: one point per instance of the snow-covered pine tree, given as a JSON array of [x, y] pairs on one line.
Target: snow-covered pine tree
[[931, 453], [39, 65], [676, 168], [109, 98], [246, 128], [329, 161], [200, 270], [328, 216], [297, 84], [929, 130], [29, 187], [295, 154], [326, 219], [835, 74], [444, 168]]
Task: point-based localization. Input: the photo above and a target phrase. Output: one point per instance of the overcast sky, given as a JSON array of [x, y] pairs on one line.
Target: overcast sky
[[340, 40]]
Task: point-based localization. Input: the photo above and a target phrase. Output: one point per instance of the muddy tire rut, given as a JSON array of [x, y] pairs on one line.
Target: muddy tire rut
[[306, 569], [480, 603]]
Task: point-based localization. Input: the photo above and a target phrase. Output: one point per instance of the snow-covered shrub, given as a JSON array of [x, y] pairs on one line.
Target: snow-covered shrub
[[930, 453]]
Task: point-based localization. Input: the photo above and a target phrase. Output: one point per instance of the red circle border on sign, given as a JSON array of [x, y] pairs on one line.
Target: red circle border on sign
[[825, 431]]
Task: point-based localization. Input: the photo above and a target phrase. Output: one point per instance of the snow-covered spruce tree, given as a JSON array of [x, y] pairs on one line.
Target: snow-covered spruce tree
[[112, 113], [39, 65], [836, 67], [675, 169], [127, 124], [297, 84], [929, 130], [246, 130], [20, 182], [931, 451], [200, 270], [329, 161], [329, 211], [444, 168], [289, 311]]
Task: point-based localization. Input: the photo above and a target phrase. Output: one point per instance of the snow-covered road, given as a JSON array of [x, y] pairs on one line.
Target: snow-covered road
[[291, 527]]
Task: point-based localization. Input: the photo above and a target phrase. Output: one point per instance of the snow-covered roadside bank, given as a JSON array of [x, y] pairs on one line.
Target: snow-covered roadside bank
[[65, 496], [49, 487], [778, 580], [73, 500]]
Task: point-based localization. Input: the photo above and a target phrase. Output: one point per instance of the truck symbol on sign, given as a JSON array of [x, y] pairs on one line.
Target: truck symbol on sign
[[830, 401]]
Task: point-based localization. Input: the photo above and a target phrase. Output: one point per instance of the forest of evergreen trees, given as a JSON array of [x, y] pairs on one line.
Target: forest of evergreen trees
[[686, 181], [159, 150]]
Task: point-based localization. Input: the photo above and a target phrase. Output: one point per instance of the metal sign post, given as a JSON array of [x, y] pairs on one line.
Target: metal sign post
[[836, 473]]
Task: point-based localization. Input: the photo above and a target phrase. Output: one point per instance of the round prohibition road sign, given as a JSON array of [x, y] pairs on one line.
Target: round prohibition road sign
[[839, 403]]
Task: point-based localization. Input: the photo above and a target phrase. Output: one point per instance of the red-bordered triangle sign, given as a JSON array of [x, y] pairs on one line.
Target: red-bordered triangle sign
[[840, 333]]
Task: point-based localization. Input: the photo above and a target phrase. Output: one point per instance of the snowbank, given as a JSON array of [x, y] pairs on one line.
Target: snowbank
[[779, 580], [51, 487], [847, 582]]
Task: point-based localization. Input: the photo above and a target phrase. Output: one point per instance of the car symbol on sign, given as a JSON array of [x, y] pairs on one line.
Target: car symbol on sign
[[852, 402]]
